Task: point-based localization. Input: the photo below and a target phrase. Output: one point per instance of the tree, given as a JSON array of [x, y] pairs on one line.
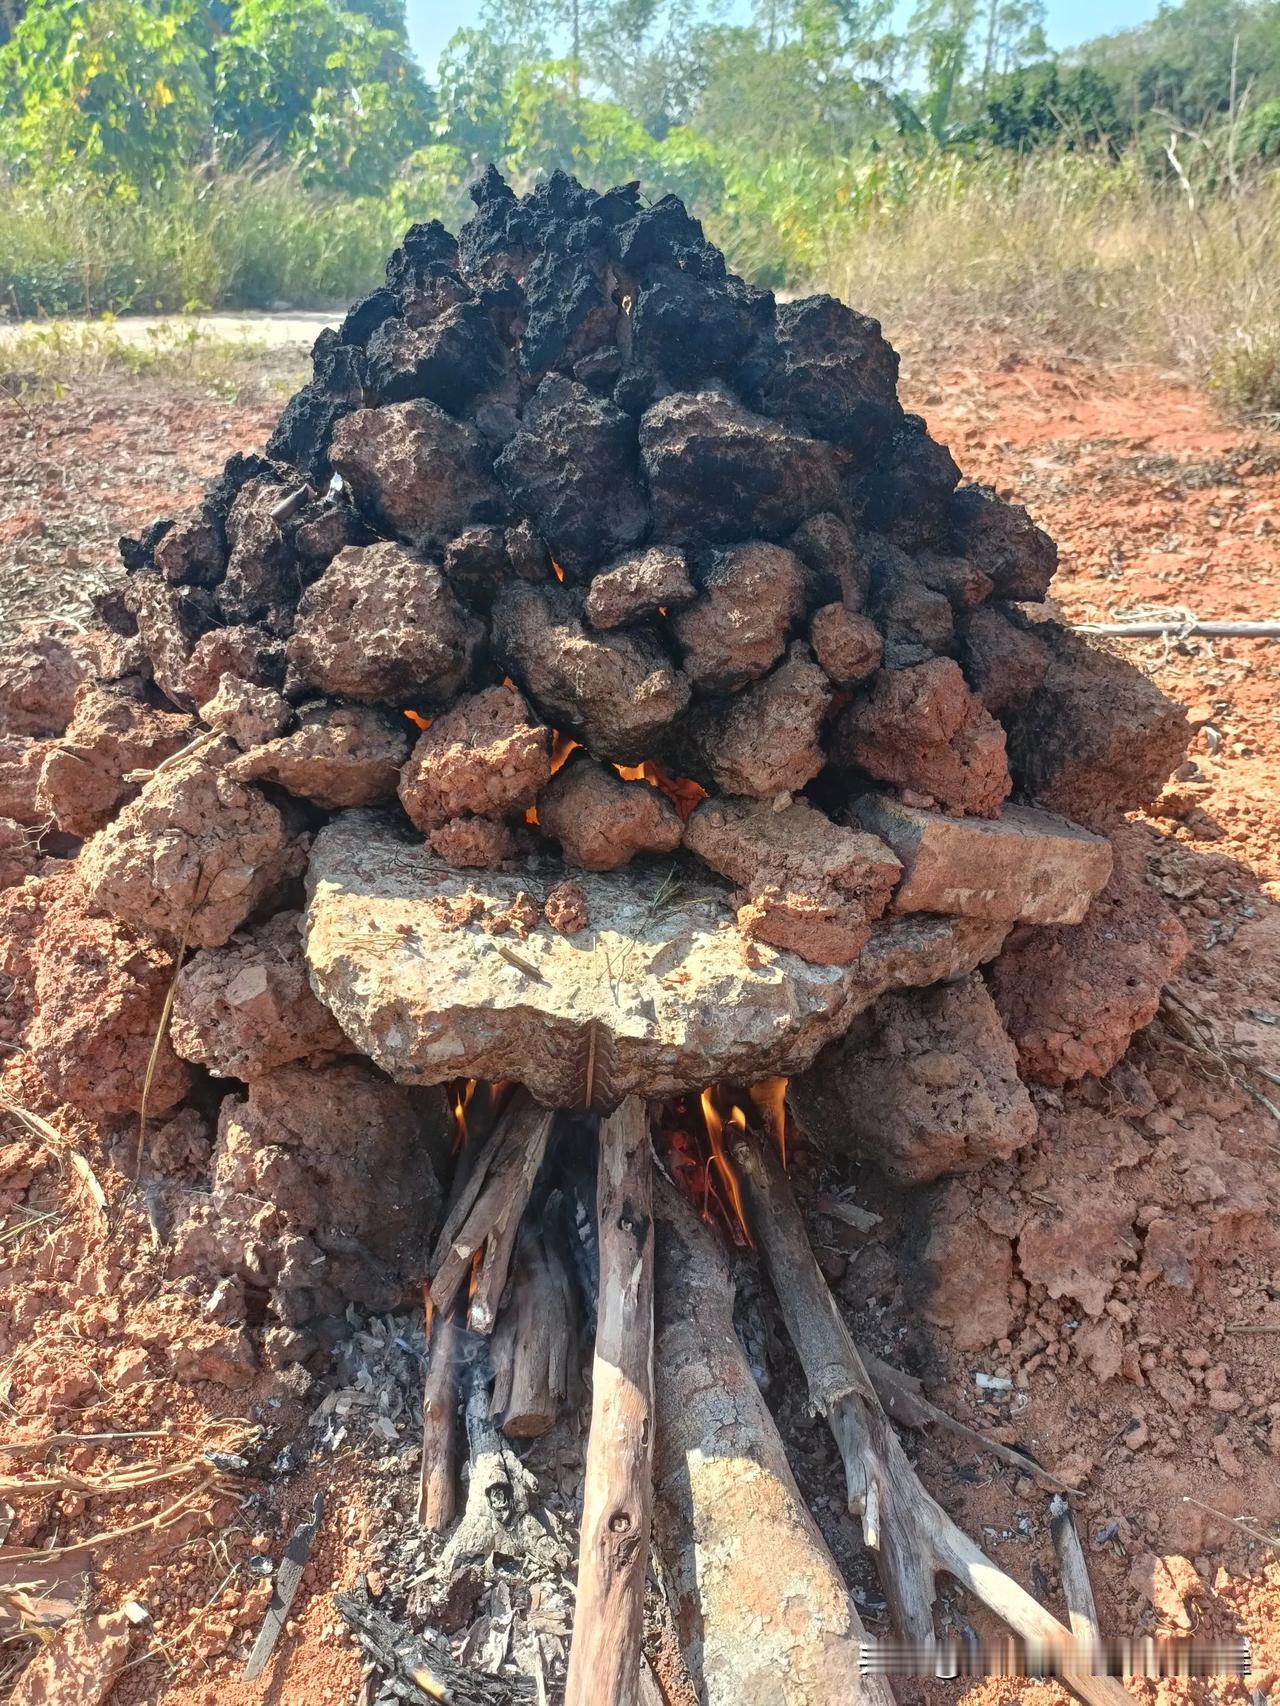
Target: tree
[[1036, 104], [109, 90], [327, 88]]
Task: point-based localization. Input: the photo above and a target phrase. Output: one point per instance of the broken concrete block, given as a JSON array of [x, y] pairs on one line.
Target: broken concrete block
[[244, 1009], [339, 755], [194, 855], [1072, 996], [602, 822], [660, 996], [487, 757], [1025, 865], [383, 627], [805, 883], [921, 728], [751, 599], [924, 1083]]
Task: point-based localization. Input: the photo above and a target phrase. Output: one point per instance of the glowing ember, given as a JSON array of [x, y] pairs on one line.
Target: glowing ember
[[683, 793], [561, 747], [419, 722], [557, 571]]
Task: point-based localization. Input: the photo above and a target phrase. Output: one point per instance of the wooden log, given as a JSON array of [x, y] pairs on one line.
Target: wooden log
[[604, 1656], [762, 1611], [1076, 1587], [491, 1206], [531, 1343], [437, 1476], [914, 1536]]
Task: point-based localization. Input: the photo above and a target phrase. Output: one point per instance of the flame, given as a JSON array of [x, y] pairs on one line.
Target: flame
[[477, 1261], [419, 722], [463, 1093], [557, 571], [769, 1098], [561, 747], [682, 791], [714, 1123], [531, 816]]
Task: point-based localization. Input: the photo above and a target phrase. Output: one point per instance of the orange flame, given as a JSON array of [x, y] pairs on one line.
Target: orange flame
[[714, 1122], [561, 747], [419, 722], [557, 571], [462, 1097], [683, 793]]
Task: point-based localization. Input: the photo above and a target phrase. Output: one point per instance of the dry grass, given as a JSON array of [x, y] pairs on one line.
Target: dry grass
[[1077, 257]]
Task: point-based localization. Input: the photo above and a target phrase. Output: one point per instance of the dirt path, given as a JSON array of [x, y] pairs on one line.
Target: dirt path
[[270, 330]]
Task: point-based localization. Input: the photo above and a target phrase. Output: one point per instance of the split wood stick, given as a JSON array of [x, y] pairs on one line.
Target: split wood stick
[[513, 1155], [1173, 625], [604, 1656], [437, 1477], [761, 1607], [1076, 1587], [509, 1189], [914, 1536], [530, 1346], [485, 1135]]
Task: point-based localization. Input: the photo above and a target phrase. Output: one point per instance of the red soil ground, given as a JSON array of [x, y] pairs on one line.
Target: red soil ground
[[1156, 501]]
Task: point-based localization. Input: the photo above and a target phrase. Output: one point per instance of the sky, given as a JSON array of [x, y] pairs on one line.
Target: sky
[[432, 22]]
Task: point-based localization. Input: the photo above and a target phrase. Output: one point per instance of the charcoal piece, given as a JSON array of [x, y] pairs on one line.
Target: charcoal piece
[[1097, 737], [261, 568], [832, 375], [908, 493], [366, 314], [193, 551], [414, 470], [719, 473], [1004, 661], [752, 596], [690, 329], [665, 233], [382, 627], [139, 554], [304, 432], [450, 361], [1004, 542], [425, 247], [838, 563], [572, 470], [570, 314], [618, 693], [764, 740]]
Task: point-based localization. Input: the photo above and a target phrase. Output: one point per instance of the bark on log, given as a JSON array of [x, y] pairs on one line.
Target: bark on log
[[531, 1344], [604, 1657], [489, 1210], [763, 1614], [915, 1537], [437, 1477]]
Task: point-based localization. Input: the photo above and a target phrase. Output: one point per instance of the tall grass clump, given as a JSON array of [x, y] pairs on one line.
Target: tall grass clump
[[1077, 254], [243, 239]]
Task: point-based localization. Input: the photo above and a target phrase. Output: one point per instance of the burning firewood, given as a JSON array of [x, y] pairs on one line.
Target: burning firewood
[[762, 1607], [604, 1661], [532, 1344], [915, 1538]]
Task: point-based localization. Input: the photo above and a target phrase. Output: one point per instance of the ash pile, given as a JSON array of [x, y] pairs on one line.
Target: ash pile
[[600, 685]]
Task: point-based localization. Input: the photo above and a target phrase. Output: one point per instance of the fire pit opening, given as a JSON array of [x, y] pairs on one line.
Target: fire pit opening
[[600, 752]]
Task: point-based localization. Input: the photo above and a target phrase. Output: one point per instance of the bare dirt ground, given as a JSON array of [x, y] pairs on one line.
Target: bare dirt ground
[[1123, 1274]]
